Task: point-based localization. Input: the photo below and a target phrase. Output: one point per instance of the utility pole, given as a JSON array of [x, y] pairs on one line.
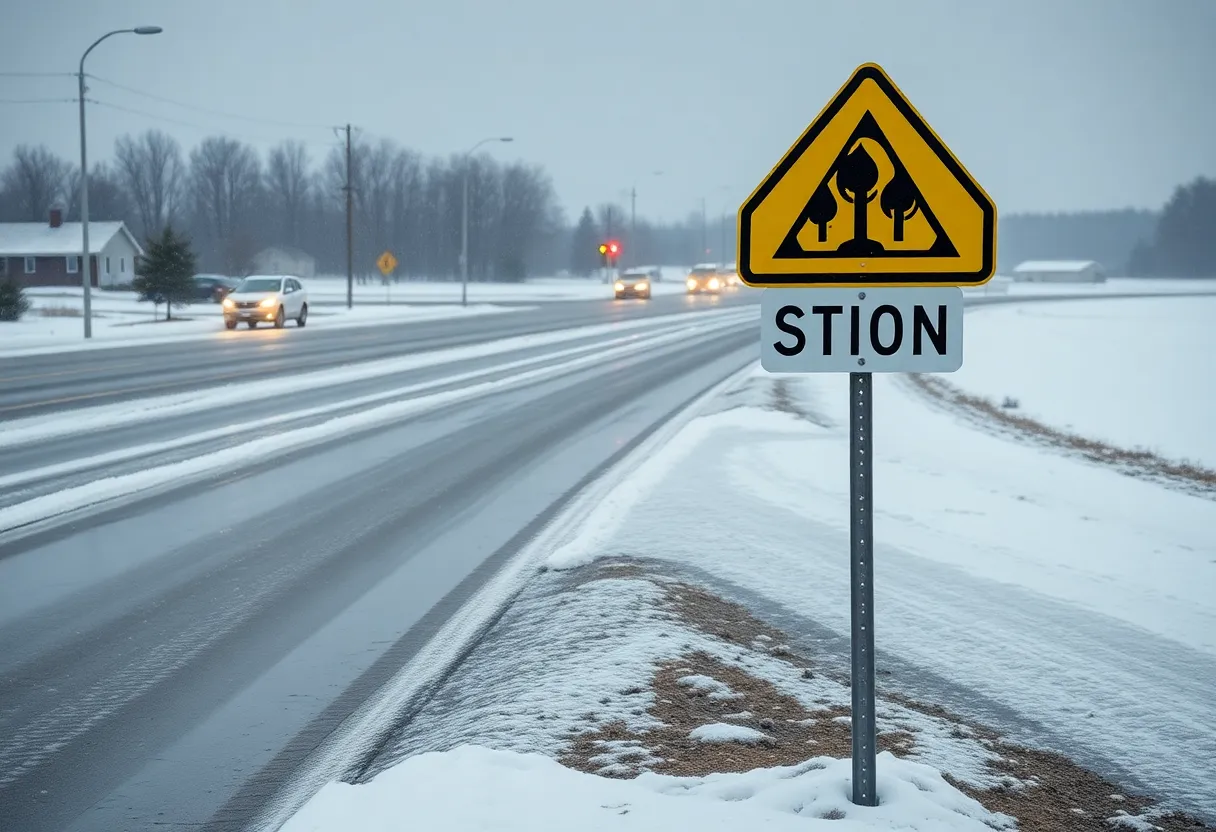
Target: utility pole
[[350, 248], [704, 238], [722, 251], [464, 238], [633, 224]]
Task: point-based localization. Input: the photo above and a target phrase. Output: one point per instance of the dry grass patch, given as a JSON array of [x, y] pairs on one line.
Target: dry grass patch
[[1132, 461], [1052, 794], [59, 311]]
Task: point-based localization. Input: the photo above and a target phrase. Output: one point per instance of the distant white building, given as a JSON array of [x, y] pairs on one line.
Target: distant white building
[[1059, 271], [285, 260]]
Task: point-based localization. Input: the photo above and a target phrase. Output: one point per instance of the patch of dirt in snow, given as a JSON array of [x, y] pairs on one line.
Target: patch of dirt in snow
[[984, 413], [792, 732], [609, 667], [1045, 791]]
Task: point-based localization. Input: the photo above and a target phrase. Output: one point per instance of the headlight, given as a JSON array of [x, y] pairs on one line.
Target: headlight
[[692, 284], [713, 283], [641, 287], [269, 302], [228, 304], [620, 287]]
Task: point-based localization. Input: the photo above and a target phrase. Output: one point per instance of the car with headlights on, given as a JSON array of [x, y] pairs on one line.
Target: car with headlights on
[[730, 274], [262, 298], [705, 278], [633, 283]]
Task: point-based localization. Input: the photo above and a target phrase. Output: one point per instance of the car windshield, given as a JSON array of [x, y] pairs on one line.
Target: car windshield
[[635, 276], [703, 272], [259, 284]]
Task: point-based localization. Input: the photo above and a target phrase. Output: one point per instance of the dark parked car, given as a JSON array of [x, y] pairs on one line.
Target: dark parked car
[[213, 287]]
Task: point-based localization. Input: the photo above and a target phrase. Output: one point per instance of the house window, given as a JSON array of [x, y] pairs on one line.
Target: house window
[[107, 264], [31, 265], [73, 264], [122, 264]]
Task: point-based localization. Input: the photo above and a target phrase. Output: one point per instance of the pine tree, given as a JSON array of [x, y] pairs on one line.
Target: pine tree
[[166, 272], [13, 302], [583, 256]]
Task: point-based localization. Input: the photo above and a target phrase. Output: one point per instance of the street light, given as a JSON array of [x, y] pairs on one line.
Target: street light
[[464, 219], [85, 270], [633, 211]]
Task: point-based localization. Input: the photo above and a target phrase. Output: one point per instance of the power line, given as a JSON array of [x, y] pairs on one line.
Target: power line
[[182, 123], [37, 74], [222, 114], [38, 100]]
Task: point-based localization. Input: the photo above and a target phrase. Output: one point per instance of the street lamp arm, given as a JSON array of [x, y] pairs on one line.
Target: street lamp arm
[[99, 40]]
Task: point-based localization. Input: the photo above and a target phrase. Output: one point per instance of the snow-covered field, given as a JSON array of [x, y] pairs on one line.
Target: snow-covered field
[[54, 323], [1133, 373]]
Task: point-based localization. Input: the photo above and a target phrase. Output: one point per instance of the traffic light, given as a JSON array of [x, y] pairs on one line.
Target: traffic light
[[610, 250]]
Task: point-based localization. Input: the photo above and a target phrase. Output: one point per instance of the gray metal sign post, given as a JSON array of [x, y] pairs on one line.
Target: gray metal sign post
[[861, 546]]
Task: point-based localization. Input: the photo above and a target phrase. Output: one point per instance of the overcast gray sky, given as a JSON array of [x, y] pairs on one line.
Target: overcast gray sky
[[1052, 104]]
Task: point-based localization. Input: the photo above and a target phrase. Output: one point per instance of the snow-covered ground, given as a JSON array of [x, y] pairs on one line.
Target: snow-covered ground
[[54, 322], [1133, 373], [1059, 599], [477, 788]]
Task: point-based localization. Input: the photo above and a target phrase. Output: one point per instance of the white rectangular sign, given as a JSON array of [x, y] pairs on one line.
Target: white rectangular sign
[[891, 329]]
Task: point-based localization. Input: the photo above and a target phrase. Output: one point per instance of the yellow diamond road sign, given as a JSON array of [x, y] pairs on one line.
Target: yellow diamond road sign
[[387, 263], [868, 196]]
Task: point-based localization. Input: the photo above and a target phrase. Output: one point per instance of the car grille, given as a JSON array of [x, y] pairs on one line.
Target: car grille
[[247, 304]]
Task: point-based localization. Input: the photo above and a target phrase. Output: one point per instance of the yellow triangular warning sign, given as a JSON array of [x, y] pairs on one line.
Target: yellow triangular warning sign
[[868, 196]]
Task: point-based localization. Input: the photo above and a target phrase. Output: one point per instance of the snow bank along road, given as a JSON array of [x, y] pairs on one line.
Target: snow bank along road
[[226, 572]]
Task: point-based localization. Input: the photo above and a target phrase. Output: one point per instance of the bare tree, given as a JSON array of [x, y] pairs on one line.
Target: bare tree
[[36, 180], [528, 210], [151, 170], [225, 187], [107, 197], [288, 180]]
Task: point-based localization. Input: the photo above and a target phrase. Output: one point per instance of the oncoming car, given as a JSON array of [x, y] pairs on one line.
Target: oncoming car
[[730, 273], [705, 277], [266, 298], [634, 283]]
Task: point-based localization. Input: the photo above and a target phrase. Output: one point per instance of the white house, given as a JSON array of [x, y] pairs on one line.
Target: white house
[[1059, 271], [48, 253], [285, 260]]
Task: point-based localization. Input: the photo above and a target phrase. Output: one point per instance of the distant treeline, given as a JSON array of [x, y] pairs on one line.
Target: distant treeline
[[231, 203], [1105, 236], [1177, 241]]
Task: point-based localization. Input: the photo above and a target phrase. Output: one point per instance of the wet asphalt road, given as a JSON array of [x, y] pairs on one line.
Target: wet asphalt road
[[166, 661]]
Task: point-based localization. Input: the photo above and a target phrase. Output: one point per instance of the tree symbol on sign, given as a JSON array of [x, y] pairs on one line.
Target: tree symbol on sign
[[856, 176], [821, 209], [899, 202]]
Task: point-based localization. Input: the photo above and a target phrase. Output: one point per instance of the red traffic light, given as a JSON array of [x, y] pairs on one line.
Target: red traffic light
[[614, 247]]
